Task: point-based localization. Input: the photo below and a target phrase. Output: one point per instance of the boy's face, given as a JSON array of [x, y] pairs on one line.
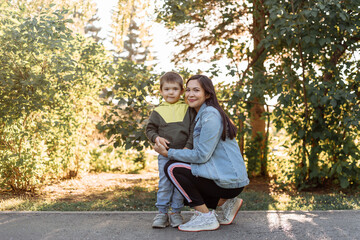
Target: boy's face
[[171, 92]]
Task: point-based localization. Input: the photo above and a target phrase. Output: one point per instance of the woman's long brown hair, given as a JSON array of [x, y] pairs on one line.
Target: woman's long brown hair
[[229, 129]]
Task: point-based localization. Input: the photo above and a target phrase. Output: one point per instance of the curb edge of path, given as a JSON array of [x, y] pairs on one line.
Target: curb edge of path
[[154, 212]]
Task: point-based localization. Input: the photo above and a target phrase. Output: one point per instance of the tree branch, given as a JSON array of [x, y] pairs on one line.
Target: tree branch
[[338, 53]]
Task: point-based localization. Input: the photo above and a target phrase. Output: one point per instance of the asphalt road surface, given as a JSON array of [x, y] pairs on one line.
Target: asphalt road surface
[[248, 225]]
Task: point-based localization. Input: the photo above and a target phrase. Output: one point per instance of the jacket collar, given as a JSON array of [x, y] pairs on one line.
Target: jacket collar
[[202, 108]]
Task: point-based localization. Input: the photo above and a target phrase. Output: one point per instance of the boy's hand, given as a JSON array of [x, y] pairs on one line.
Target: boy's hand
[[162, 141], [161, 150]]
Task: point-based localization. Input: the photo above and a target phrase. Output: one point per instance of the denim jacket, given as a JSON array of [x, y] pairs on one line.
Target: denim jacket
[[211, 157]]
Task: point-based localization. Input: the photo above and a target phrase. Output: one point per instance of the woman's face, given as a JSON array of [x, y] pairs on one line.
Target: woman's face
[[195, 94]]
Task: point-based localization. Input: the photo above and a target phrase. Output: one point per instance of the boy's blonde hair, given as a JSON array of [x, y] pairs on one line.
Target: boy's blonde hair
[[171, 77]]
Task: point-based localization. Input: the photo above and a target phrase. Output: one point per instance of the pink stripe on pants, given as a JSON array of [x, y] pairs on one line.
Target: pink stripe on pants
[[173, 179]]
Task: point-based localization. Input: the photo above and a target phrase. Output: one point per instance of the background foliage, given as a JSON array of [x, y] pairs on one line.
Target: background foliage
[[317, 80], [50, 84], [304, 55], [49, 79], [129, 106], [68, 106]]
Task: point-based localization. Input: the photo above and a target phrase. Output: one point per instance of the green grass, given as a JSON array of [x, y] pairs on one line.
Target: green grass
[[141, 199], [128, 199], [300, 202], [106, 192]]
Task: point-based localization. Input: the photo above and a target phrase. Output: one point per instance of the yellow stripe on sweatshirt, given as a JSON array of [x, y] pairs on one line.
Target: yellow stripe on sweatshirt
[[172, 112]]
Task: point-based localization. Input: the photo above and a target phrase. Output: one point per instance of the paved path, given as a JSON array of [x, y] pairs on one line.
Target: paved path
[[248, 225]]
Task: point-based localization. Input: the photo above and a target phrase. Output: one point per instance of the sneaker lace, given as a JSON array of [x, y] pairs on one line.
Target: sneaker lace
[[196, 214], [160, 216], [176, 216]]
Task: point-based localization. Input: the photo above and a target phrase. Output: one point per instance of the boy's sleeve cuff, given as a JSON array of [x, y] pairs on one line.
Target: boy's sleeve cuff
[[154, 137]]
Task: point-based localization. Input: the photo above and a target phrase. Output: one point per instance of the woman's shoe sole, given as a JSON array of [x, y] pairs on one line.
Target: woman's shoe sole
[[213, 229]]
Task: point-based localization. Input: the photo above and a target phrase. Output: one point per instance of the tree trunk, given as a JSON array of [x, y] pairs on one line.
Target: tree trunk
[[257, 110]]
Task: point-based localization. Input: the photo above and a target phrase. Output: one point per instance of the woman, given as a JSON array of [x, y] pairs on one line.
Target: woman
[[213, 173]]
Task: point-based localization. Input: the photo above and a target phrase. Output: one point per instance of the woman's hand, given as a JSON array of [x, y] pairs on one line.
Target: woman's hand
[[161, 149]]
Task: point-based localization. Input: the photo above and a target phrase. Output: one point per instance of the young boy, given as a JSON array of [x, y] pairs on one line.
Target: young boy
[[170, 125]]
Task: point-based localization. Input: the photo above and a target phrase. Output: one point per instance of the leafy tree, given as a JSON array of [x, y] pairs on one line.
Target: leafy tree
[[133, 46], [317, 79], [81, 12], [130, 106], [92, 30], [129, 98], [226, 29], [49, 86], [130, 20], [303, 52]]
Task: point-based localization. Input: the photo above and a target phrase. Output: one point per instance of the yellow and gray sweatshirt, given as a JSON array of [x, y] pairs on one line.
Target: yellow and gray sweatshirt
[[174, 122]]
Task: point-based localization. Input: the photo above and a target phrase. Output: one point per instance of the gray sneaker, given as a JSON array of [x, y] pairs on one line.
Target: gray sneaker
[[200, 222], [228, 211], [161, 220], [175, 219]]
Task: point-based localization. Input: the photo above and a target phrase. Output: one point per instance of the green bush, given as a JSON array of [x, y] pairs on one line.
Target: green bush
[[108, 159], [49, 83]]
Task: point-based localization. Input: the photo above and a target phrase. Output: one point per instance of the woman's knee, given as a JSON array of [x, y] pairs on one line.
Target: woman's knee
[[167, 165]]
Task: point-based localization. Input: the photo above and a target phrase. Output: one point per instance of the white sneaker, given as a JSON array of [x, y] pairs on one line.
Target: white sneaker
[[161, 220], [228, 211], [175, 219], [200, 222]]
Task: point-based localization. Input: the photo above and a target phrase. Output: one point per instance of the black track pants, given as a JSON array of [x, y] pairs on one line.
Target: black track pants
[[197, 190]]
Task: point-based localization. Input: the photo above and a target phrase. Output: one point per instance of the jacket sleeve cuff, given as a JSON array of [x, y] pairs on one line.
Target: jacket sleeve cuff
[[171, 153]]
